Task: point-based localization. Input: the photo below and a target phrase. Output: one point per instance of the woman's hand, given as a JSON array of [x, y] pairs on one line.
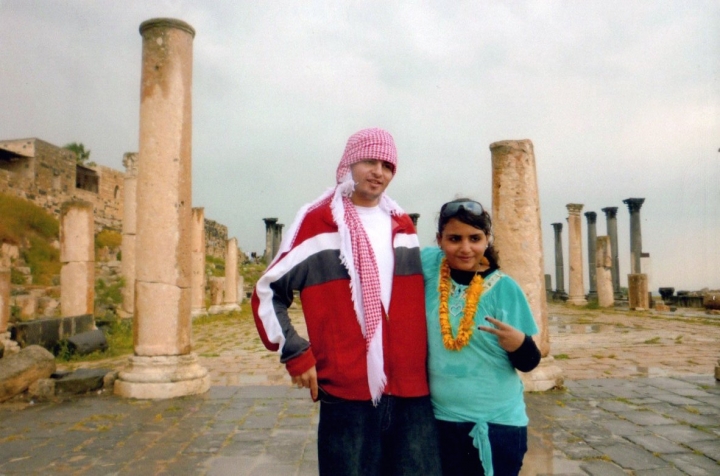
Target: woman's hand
[[509, 338], [309, 380]]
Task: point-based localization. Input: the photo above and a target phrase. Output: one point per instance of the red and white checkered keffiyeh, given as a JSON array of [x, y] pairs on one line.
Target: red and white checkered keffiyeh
[[356, 251]]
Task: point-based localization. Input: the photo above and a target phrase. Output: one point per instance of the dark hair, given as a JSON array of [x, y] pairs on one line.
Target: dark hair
[[481, 222]]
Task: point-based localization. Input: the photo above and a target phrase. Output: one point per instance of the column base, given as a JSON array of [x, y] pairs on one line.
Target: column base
[[164, 376], [222, 308], [577, 300], [198, 312], [11, 347], [544, 377]]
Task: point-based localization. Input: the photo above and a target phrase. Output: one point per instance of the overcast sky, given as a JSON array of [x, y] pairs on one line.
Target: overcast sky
[[620, 98]]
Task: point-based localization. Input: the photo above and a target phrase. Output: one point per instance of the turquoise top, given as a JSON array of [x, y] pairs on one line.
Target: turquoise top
[[477, 383]]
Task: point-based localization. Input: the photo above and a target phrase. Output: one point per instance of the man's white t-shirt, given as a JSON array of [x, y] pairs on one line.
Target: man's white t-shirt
[[378, 226]]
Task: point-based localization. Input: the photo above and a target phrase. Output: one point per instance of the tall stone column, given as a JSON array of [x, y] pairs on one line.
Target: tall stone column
[[231, 276], [559, 265], [634, 205], [129, 230], [611, 220], [277, 238], [197, 239], [77, 255], [603, 265], [518, 240], [269, 236], [163, 365], [576, 294], [10, 345], [592, 238]]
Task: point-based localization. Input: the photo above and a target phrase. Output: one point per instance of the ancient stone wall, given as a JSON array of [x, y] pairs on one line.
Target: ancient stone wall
[[47, 175], [216, 236]]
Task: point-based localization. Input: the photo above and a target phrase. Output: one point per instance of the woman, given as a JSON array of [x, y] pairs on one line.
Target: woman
[[479, 328]]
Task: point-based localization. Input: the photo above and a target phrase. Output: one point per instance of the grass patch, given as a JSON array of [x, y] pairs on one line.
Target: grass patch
[[654, 340], [561, 356], [109, 238], [19, 216], [251, 273], [120, 342]]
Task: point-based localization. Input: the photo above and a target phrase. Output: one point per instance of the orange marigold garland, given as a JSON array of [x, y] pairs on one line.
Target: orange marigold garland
[[465, 329]]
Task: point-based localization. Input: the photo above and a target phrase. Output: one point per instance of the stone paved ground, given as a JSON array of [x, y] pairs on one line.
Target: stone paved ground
[[640, 400]]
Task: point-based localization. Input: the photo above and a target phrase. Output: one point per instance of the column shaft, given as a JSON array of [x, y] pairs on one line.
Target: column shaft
[[129, 231], [603, 265], [77, 255], [634, 205], [231, 276], [516, 223], [198, 262], [518, 240], [611, 220], [559, 265], [576, 293], [269, 236], [592, 237]]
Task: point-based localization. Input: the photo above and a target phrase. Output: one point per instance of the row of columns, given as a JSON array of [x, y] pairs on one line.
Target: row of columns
[[597, 257]]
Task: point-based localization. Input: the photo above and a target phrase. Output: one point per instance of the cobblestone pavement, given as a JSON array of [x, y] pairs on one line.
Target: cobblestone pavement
[[640, 399]]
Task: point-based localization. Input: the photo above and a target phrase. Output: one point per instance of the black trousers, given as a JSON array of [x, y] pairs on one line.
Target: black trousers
[[459, 456]]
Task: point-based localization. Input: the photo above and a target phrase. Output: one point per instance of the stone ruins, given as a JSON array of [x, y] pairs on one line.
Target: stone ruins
[[166, 241]]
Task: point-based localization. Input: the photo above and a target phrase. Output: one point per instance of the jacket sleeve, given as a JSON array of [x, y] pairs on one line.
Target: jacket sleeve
[[272, 296]]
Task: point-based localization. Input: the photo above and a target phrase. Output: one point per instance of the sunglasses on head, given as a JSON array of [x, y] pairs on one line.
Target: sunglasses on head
[[452, 208]]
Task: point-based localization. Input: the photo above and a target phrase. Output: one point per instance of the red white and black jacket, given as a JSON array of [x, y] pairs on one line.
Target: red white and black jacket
[[311, 265]]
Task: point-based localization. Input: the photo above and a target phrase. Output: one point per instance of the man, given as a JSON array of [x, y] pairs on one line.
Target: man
[[353, 255]]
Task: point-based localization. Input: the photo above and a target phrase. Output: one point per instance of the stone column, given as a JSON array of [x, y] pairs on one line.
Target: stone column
[[269, 235], [231, 276], [592, 237], [163, 365], [717, 370], [611, 220], [559, 266], [518, 240], [638, 299], [77, 255], [197, 240], [603, 272], [129, 230], [634, 205], [576, 293], [10, 345], [414, 217], [277, 239], [217, 292]]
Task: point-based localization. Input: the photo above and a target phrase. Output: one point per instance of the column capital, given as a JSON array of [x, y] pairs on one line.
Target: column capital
[[591, 217], [610, 212], [129, 161], [270, 221], [166, 23], [634, 204], [557, 226], [414, 217], [574, 208]]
